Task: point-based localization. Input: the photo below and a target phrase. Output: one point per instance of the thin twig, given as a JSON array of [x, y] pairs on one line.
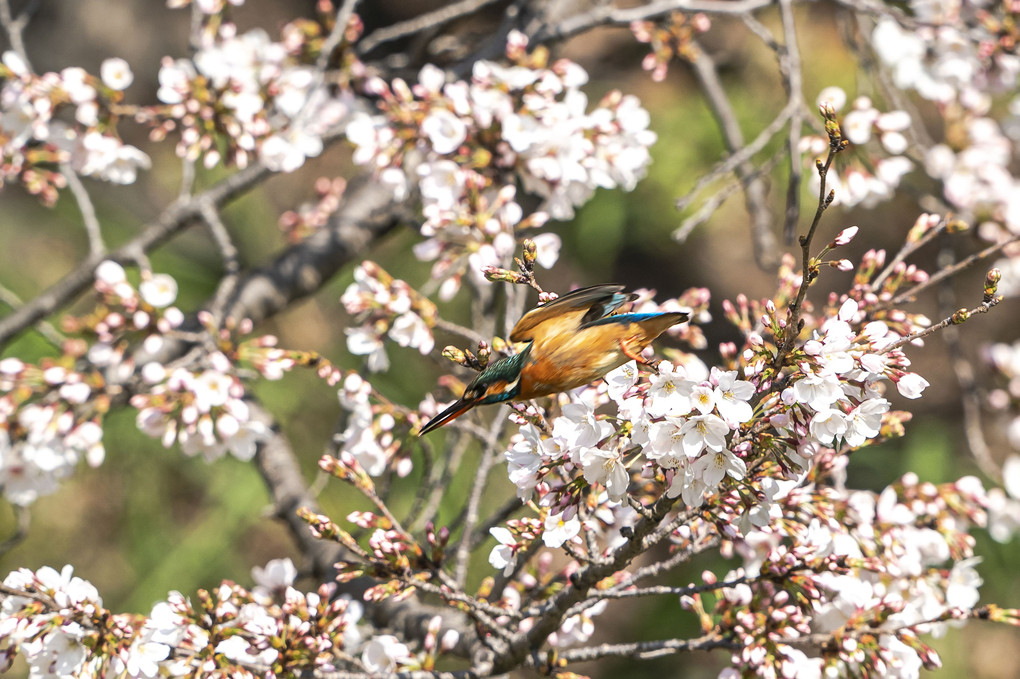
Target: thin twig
[[715, 201], [228, 253], [580, 584], [730, 163], [969, 397], [187, 187], [437, 486], [608, 15], [793, 323], [343, 17], [789, 65], [755, 191], [175, 218], [645, 649], [952, 319], [489, 457], [15, 27], [437, 17], [908, 249], [88, 212], [44, 328], [455, 329], [948, 272]]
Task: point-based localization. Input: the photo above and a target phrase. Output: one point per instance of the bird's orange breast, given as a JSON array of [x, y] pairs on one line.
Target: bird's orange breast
[[560, 361]]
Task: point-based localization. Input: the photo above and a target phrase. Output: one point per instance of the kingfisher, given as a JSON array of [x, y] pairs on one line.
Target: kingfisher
[[571, 341]]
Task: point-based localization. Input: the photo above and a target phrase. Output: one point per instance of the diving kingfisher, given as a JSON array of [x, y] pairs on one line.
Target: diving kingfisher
[[571, 341]]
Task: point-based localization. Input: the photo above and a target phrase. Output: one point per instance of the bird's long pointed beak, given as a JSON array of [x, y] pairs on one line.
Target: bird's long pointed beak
[[458, 408]]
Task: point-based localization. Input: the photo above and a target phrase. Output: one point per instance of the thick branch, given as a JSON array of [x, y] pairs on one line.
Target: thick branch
[[174, 219]]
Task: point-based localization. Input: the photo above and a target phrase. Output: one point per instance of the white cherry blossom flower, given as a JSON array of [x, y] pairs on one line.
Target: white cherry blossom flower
[[713, 466], [559, 530], [606, 467], [818, 391], [828, 424], [620, 380], [502, 555], [384, 653], [445, 130], [732, 396], [159, 291], [669, 391], [116, 74], [579, 427], [911, 385], [865, 421], [703, 431]]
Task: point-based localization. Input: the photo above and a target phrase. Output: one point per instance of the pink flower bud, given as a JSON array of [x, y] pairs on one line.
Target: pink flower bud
[[846, 235]]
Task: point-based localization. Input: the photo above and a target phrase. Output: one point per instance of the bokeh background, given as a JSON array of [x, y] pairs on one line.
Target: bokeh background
[[150, 520]]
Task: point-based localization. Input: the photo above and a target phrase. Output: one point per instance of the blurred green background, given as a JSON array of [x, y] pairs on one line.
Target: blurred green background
[[150, 520]]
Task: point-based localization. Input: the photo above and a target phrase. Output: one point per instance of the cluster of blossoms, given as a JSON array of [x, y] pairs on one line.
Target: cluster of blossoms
[[271, 630], [311, 217], [51, 414], [33, 141], [205, 412], [690, 423], [1004, 503], [465, 145], [673, 39], [873, 178], [963, 56], [385, 306], [964, 53], [869, 569], [976, 177], [747, 439], [1005, 359], [251, 97], [47, 424], [128, 316], [369, 435]]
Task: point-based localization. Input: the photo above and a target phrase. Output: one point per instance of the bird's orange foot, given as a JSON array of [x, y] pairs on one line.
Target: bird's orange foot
[[629, 353]]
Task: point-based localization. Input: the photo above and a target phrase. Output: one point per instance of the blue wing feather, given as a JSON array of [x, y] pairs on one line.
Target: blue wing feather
[[631, 318]]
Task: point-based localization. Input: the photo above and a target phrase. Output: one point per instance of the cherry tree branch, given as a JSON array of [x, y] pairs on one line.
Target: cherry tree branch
[[174, 219], [755, 189], [422, 22]]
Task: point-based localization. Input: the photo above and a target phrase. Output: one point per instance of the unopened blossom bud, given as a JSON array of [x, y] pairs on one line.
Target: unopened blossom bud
[[449, 640], [454, 354], [530, 252], [842, 265], [992, 284], [506, 194], [498, 275], [845, 236], [827, 110], [832, 129], [484, 353], [961, 316]]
